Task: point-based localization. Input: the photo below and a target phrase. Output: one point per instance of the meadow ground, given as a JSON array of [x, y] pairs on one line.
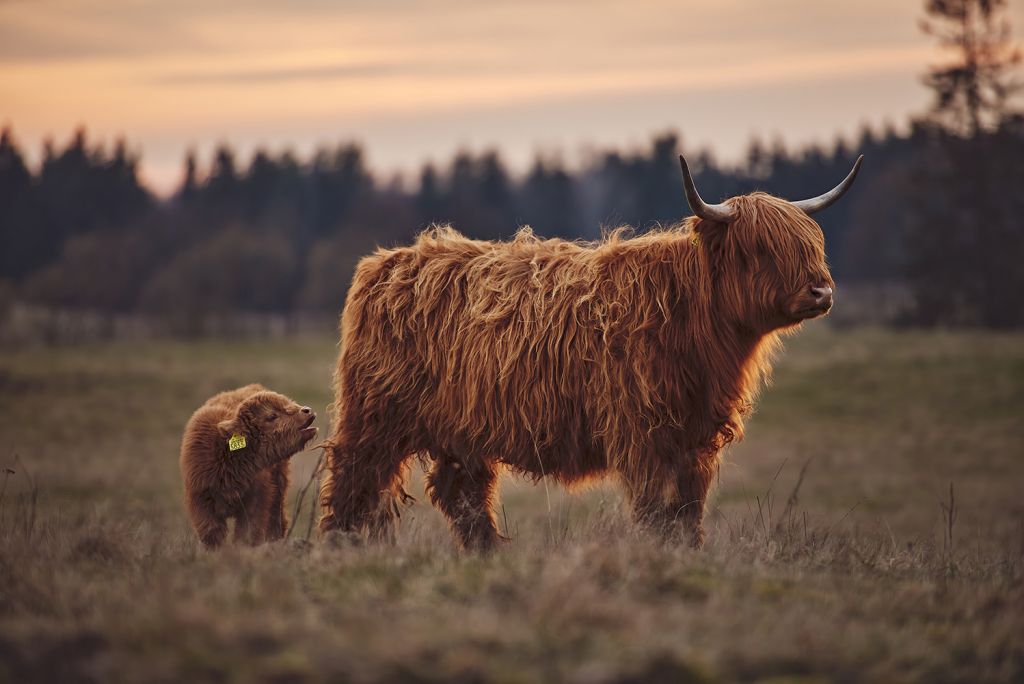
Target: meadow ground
[[869, 570]]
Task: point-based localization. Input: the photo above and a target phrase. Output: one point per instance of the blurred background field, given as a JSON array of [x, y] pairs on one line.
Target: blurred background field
[[860, 576]]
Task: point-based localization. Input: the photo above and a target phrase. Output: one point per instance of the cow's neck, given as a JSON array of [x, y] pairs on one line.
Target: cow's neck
[[737, 360]]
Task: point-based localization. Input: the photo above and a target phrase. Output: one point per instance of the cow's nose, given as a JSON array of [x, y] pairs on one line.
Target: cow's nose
[[307, 410], [822, 295]]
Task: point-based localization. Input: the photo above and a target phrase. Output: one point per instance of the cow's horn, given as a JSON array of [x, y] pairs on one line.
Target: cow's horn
[[832, 196], [712, 212]]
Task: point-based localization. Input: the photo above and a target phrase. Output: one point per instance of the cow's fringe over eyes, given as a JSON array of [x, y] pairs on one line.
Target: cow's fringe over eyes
[[635, 355]]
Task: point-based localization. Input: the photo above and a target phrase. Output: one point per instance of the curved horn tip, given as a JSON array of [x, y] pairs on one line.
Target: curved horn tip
[[722, 213], [816, 204]]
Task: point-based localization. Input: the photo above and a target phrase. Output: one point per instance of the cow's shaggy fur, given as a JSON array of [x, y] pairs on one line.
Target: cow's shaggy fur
[[247, 484], [633, 356]]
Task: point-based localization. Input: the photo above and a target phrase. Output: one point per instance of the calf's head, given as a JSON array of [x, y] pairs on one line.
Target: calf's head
[[766, 255], [270, 424]]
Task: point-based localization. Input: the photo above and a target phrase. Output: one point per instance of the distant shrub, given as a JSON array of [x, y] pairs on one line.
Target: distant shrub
[[231, 272], [6, 299], [328, 273], [100, 271]]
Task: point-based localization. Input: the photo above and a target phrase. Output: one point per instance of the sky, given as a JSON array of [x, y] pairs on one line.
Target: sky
[[415, 81]]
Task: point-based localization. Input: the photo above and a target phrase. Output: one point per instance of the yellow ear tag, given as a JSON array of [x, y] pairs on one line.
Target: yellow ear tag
[[236, 442], [695, 239]]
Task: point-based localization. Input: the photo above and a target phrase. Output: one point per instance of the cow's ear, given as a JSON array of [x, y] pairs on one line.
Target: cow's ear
[[233, 434], [709, 235], [228, 427]]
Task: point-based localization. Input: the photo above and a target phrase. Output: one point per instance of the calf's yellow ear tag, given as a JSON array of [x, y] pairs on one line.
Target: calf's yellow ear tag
[[236, 442]]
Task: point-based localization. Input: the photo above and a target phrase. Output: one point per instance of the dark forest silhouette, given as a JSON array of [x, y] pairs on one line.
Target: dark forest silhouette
[[939, 209]]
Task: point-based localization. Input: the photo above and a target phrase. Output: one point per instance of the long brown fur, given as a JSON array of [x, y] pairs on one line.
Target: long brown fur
[[634, 356], [248, 484]]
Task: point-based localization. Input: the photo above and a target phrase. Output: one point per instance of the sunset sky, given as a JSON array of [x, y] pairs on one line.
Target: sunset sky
[[416, 80]]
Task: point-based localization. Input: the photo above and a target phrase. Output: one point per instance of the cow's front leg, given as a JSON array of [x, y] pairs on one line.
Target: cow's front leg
[[671, 500], [693, 482]]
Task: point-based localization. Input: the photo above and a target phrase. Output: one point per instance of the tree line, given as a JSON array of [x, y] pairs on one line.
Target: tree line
[[939, 208]]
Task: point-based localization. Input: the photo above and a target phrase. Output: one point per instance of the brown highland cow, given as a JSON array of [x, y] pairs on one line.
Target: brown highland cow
[[234, 463], [633, 356]]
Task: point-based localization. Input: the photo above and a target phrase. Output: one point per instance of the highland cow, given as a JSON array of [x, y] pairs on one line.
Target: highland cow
[[234, 462], [637, 357]]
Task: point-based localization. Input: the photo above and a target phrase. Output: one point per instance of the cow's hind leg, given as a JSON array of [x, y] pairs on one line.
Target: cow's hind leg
[[362, 491], [211, 531], [464, 491]]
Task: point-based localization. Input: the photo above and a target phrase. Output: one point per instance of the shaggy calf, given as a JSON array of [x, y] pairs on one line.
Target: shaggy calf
[[234, 463], [634, 357]]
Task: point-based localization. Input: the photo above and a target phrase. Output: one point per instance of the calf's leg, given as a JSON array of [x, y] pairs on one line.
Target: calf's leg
[[210, 528], [251, 522], [277, 521]]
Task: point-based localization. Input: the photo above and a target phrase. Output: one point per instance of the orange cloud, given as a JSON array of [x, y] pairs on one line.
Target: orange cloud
[[197, 72]]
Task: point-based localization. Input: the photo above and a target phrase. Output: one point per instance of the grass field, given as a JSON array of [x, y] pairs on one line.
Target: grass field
[[869, 570]]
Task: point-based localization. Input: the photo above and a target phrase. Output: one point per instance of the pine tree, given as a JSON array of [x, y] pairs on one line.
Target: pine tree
[[965, 241], [18, 213], [972, 92]]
